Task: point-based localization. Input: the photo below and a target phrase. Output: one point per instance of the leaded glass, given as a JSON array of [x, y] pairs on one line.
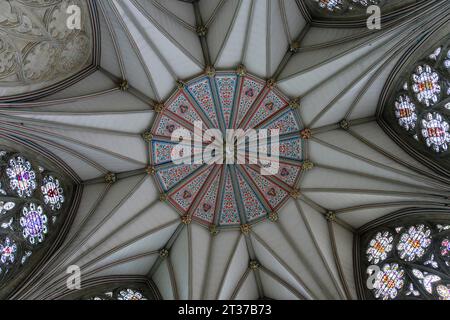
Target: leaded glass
[[406, 260], [121, 293], [222, 194], [34, 223], [379, 247], [435, 130], [345, 7], [130, 294], [421, 104], [31, 196], [53, 192], [426, 85], [22, 177], [389, 281], [414, 242]]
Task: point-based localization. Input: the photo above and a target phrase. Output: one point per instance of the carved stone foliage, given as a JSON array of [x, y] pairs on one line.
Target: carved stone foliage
[[41, 44]]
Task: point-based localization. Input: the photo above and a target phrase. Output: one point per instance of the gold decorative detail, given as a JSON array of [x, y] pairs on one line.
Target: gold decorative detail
[[164, 253], [210, 71], [242, 70], [246, 228], [294, 104], [344, 124], [186, 219], [163, 197], [331, 216], [180, 84], [158, 108], [294, 46], [307, 165], [150, 170], [147, 136], [110, 178], [306, 134], [270, 83], [201, 31], [296, 193], [213, 230], [124, 86], [254, 265], [273, 216]]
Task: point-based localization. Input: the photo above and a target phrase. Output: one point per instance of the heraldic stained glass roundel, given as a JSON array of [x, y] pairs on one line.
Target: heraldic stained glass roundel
[[218, 193]]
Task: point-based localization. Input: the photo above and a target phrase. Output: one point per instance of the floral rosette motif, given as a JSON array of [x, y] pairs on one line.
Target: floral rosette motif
[[406, 113], [22, 178], [53, 192], [379, 247], [445, 248], [443, 292], [130, 294], [389, 281], [435, 131], [413, 243], [8, 250], [34, 223], [330, 5], [426, 85]]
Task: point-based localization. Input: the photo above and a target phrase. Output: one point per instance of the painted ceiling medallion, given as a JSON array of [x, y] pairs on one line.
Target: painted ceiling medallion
[[226, 195], [37, 48]]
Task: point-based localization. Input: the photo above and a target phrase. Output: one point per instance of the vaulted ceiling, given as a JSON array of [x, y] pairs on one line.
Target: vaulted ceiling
[[338, 74]]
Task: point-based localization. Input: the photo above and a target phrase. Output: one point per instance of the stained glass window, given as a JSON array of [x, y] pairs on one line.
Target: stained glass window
[[217, 193], [406, 260], [116, 289], [121, 294], [343, 6], [421, 104], [32, 198]]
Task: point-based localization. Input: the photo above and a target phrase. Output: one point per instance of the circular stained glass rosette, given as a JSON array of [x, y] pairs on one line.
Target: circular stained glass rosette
[[53, 192], [34, 223], [435, 131], [8, 250], [226, 194], [380, 247], [414, 242], [365, 3], [405, 112], [445, 249], [443, 292], [447, 60], [330, 5], [22, 178], [426, 85], [389, 281], [130, 294]]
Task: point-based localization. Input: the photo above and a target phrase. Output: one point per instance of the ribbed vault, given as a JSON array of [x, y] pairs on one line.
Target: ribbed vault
[[355, 174]]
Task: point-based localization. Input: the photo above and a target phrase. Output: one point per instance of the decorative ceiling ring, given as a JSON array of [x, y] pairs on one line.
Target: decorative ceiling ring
[[404, 255], [218, 194], [40, 54], [414, 108], [38, 201]]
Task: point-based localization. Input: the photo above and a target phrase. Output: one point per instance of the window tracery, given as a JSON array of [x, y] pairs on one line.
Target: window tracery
[[407, 260]]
